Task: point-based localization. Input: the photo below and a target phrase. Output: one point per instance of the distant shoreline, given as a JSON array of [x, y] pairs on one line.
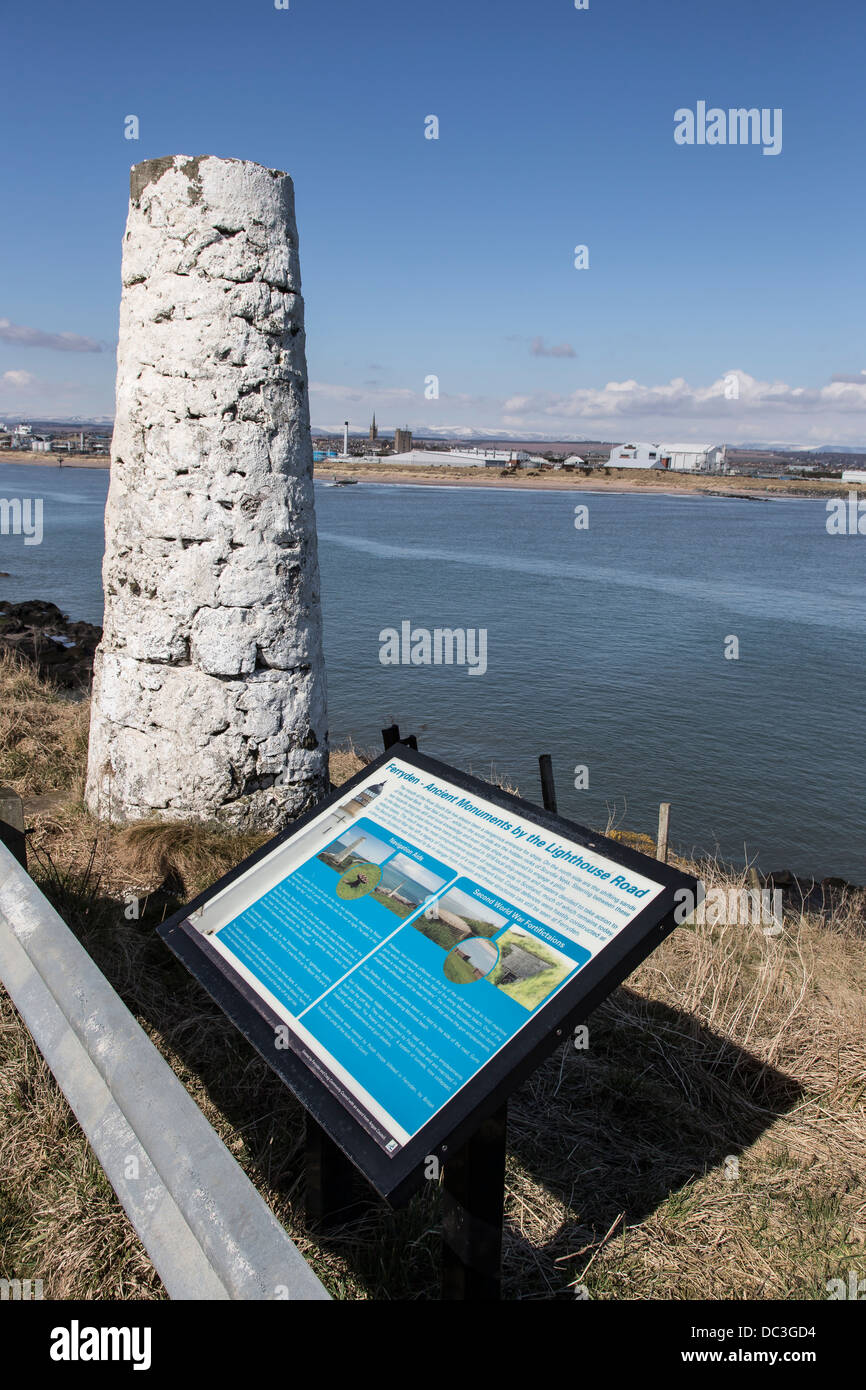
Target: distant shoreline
[[646, 482], [102, 462]]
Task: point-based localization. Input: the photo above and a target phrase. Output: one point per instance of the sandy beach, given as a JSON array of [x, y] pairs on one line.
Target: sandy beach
[[647, 481]]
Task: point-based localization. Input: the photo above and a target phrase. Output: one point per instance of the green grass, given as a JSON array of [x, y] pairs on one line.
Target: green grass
[[481, 928], [440, 932], [458, 970], [530, 993], [369, 875], [398, 908]]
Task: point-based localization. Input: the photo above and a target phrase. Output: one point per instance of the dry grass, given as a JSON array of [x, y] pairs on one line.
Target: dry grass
[[347, 760], [60, 1220], [43, 737], [710, 1142]]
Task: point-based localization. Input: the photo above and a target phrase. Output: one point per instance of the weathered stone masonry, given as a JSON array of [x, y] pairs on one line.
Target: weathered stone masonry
[[209, 686]]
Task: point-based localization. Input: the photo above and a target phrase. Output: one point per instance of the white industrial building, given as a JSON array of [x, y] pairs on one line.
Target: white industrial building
[[679, 458], [854, 475], [460, 458]]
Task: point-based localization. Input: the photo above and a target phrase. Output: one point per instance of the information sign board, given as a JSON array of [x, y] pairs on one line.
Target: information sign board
[[407, 953]]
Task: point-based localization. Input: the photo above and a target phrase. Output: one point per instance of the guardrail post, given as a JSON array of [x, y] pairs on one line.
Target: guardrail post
[[12, 824]]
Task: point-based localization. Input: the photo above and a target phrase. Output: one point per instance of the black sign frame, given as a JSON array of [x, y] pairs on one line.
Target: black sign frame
[[398, 1177]]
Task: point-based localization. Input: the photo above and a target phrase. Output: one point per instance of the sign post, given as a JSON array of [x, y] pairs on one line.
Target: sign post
[[403, 957], [330, 1196], [473, 1201]]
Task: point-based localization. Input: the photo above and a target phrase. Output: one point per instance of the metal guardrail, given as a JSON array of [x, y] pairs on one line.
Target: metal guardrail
[[208, 1232]]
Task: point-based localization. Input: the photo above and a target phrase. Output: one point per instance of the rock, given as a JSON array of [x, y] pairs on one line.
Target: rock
[[209, 687], [782, 878], [59, 649]]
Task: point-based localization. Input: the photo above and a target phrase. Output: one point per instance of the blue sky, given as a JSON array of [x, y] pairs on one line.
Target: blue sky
[[454, 256]]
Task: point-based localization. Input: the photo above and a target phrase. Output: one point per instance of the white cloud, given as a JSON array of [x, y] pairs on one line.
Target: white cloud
[[21, 381], [36, 395], [856, 378], [735, 394], [734, 406], [22, 336]]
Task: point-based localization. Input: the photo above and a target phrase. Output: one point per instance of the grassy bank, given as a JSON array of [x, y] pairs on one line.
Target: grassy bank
[[709, 1142]]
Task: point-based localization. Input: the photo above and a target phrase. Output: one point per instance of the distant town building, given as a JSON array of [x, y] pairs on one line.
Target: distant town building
[[374, 432], [40, 444], [854, 475], [402, 441], [459, 458], [679, 458], [493, 456]]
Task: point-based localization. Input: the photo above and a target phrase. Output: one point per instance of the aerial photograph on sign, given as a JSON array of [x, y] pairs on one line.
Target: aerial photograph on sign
[[432, 682]]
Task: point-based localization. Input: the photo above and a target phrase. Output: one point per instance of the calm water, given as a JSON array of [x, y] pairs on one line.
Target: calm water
[[605, 647]]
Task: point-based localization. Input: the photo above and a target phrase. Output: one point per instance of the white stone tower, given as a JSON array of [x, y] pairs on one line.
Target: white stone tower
[[209, 685]]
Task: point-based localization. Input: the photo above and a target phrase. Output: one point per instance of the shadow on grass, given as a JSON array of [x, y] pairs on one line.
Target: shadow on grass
[[655, 1103]]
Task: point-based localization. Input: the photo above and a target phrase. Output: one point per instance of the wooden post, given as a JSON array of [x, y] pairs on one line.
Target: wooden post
[[473, 1200], [12, 824], [548, 788], [331, 1197], [664, 827], [391, 735]]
